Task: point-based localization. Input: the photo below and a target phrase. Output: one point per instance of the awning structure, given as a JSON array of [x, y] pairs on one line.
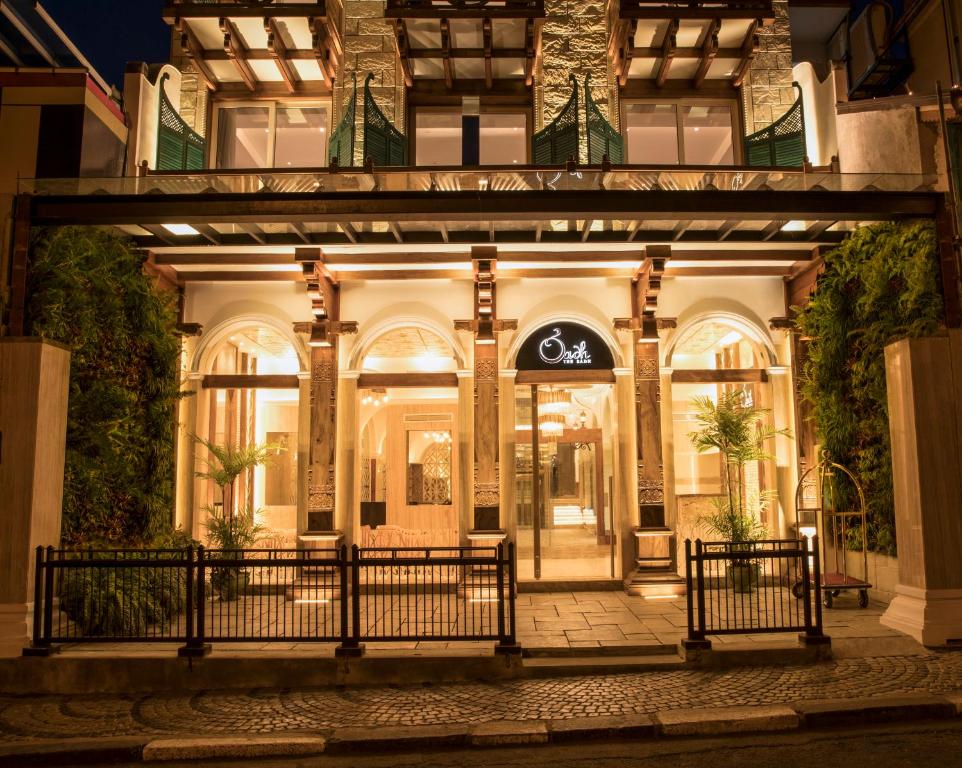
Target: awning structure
[[282, 48], [625, 205], [467, 41], [709, 46]]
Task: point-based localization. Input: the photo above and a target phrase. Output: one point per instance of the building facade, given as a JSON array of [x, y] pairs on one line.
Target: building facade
[[467, 266]]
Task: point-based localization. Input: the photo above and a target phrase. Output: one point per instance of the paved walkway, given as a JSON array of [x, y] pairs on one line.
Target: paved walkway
[[26, 720]]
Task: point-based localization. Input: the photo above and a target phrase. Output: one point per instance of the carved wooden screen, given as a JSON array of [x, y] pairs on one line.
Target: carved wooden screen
[[783, 142], [341, 148], [558, 142], [602, 138], [383, 143], [179, 147], [436, 475]]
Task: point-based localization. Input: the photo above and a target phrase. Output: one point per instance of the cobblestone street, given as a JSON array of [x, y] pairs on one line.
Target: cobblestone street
[[317, 710]]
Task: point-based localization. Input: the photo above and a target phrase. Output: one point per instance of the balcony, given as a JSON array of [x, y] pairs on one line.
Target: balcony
[[469, 44], [250, 48], [656, 45]]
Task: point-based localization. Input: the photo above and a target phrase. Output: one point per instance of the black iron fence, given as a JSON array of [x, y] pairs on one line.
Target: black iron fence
[[753, 587], [199, 596]]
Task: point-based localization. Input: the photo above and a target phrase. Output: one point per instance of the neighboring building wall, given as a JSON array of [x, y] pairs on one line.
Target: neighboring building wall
[[369, 46], [863, 134], [767, 92], [818, 103]]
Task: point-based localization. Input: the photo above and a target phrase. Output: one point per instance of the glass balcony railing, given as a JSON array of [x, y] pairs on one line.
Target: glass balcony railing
[[495, 179]]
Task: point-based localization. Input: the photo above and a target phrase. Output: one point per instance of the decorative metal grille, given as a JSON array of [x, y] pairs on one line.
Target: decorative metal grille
[[437, 474], [341, 149], [179, 147], [783, 142], [558, 142], [603, 140], [383, 143]]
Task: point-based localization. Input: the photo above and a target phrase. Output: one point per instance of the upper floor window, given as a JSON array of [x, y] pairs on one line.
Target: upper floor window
[[271, 135], [685, 133], [442, 138]]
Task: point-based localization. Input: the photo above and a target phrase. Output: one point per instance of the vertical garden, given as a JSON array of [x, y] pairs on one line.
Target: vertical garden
[[87, 290], [880, 285]]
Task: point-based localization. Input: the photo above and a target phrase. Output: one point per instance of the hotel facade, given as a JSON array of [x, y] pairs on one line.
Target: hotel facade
[[467, 264]]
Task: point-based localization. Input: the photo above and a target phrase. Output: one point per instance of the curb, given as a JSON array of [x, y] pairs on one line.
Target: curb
[[686, 723]]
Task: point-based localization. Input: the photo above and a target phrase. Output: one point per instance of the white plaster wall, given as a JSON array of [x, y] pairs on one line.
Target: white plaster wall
[[818, 101], [142, 101], [879, 141], [755, 300], [378, 305], [215, 305]]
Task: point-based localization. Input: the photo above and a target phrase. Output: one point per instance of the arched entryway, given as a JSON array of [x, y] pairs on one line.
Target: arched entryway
[[409, 445], [564, 463]]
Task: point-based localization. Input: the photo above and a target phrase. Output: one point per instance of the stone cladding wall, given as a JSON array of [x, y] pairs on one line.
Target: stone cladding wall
[[767, 92]]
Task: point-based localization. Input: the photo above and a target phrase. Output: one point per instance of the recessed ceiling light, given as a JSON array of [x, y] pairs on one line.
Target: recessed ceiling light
[[180, 229]]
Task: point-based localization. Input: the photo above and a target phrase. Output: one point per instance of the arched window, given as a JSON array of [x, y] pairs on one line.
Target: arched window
[[712, 358], [252, 398]]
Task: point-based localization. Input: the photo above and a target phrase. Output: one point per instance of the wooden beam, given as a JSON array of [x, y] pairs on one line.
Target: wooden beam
[[639, 88], [385, 380], [226, 276], [446, 53], [194, 51], [817, 229], [773, 228], [166, 276], [301, 231], [720, 376], [696, 12], [689, 53], [278, 51], [709, 50], [234, 48], [222, 259], [626, 49], [396, 231], [403, 43], [746, 271], [307, 89], [486, 33], [248, 10], [348, 229], [564, 377], [668, 46], [475, 10], [749, 49], [254, 231], [254, 381], [208, 232], [324, 44]]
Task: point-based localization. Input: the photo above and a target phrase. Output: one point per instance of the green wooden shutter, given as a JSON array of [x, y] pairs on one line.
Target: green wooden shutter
[[558, 142], [783, 142], [383, 143], [602, 138], [341, 147], [179, 148]]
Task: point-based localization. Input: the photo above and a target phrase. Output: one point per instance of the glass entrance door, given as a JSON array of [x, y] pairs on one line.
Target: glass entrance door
[[565, 529]]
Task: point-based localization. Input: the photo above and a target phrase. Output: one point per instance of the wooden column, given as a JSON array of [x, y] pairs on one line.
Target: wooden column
[[320, 474], [651, 477]]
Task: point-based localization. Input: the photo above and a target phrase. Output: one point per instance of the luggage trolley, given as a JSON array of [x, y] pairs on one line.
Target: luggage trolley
[[827, 500]]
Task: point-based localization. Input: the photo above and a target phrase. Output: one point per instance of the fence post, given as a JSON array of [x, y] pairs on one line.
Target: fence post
[[813, 588], [195, 645], [690, 597], [508, 644], [696, 640], [39, 644], [344, 590], [48, 598], [351, 646]]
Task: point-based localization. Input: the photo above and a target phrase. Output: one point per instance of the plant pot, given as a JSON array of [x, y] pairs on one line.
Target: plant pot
[[229, 583], [743, 576]]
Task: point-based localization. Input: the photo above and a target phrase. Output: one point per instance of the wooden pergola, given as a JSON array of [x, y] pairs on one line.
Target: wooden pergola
[[707, 46], [467, 43], [260, 49]]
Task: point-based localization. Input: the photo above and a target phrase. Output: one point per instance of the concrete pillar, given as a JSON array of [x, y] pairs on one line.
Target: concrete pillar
[[34, 383], [625, 474], [924, 380], [465, 454], [784, 466], [345, 464], [187, 428], [303, 446], [507, 418]]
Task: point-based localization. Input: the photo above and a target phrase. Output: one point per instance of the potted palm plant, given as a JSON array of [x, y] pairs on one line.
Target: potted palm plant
[[231, 528], [737, 429]]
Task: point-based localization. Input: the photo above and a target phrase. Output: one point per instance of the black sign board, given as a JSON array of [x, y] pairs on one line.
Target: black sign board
[[564, 347]]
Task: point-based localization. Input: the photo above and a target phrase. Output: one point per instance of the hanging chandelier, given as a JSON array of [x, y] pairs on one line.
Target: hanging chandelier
[[375, 397], [554, 401], [551, 423]]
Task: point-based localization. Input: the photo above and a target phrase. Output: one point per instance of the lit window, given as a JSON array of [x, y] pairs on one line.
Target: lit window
[[439, 138], [679, 133], [272, 136]]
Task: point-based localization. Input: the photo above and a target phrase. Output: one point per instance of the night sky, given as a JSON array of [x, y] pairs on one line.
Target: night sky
[[112, 32]]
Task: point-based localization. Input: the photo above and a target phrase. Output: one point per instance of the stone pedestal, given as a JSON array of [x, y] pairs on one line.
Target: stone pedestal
[[924, 378], [34, 380]]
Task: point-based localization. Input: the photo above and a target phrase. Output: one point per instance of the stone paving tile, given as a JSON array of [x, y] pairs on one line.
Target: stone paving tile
[[23, 720]]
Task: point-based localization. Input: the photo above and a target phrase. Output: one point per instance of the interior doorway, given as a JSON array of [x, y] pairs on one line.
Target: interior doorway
[[563, 463]]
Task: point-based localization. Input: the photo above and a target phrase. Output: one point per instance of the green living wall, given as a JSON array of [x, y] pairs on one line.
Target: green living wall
[[87, 290], [879, 285]]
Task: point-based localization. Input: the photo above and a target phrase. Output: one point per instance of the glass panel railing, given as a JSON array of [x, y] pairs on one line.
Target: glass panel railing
[[488, 179]]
